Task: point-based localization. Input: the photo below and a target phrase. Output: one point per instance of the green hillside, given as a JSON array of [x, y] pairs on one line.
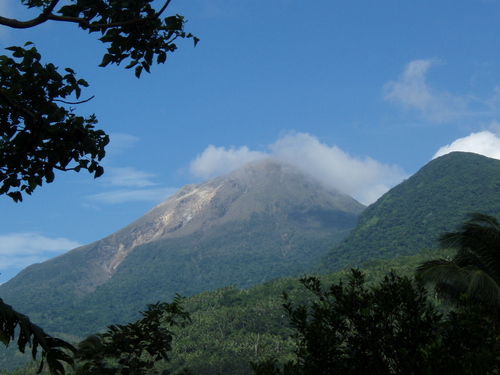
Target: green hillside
[[232, 326], [410, 216], [263, 221], [158, 270]]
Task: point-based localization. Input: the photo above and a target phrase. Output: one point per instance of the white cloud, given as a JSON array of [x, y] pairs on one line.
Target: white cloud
[[133, 184], [219, 160], [19, 250], [412, 92], [363, 178], [484, 143], [119, 143], [122, 196], [127, 176]]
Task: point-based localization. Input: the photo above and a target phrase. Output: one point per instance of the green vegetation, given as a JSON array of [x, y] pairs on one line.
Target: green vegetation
[[232, 327], [135, 348], [412, 215], [54, 350], [389, 328], [39, 132]]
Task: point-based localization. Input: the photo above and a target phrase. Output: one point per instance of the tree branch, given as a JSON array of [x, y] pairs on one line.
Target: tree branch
[[48, 15], [44, 16], [74, 103], [17, 107], [101, 26], [163, 8]]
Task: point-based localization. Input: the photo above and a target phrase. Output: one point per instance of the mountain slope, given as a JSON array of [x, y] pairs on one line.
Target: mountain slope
[[413, 214], [263, 221]]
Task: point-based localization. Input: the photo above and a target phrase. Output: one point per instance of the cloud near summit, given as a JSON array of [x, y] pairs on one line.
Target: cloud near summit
[[484, 143], [365, 179]]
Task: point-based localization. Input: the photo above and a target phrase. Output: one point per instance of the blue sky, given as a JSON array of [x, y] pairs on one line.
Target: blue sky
[[360, 94]]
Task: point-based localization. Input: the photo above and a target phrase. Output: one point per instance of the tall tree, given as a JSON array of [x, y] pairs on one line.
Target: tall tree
[[40, 134], [474, 270]]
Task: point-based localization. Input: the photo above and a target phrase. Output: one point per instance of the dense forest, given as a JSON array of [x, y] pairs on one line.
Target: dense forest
[[265, 329], [378, 304], [412, 215], [232, 327]]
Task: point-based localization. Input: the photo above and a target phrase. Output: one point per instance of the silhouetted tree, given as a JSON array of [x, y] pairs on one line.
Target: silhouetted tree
[[389, 328]]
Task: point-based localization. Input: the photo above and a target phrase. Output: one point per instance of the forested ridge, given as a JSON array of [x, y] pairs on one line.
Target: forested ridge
[[232, 327], [408, 309], [412, 215]]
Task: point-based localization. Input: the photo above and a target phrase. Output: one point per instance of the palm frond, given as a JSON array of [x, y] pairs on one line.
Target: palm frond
[[471, 272], [477, 242]]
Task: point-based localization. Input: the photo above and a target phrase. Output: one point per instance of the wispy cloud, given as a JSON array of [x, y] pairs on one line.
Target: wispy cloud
[[127, 176], [133, 195], [19, 250], [119, 143], [412, 91], [219, 160], [127, 184], [363, 178]]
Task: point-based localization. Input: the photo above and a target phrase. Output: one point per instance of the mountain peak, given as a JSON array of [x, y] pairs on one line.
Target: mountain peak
[[411, 216], [264, 220]]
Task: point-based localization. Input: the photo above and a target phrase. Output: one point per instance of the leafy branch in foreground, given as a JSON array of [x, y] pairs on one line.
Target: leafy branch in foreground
[[134, 30], [38, 136], [133, 348], [54, 350]]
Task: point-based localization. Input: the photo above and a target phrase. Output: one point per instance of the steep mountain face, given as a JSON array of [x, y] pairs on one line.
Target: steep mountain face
[[411, 216], [263, 221]]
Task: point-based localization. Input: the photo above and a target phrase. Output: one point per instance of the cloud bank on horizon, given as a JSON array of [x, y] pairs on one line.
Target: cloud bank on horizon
[[365, 179]]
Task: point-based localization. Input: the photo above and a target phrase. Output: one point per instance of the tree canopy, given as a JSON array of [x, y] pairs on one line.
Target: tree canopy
[[133, 348], [389, 328], [39, 131]]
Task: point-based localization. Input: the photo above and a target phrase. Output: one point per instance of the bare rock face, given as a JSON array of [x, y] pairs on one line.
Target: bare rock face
[[264, 220], [235, 197], [162, 221]]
